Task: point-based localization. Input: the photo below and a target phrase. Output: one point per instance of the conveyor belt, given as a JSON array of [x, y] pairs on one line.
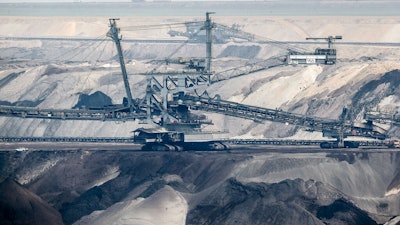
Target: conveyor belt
[[285, 142], [68, 114], [68, 139], [260, 114]]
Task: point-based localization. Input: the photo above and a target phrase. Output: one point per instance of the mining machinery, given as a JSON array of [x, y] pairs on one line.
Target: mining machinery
[[391, 118], [222, 33], [388, 118], [170, 104], [319, 56]]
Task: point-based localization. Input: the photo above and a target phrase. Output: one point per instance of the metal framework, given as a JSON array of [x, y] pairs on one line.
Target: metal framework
[[329, 39], [319, 56], [128, 140], [339, 129], [114, 34], [170, 97]]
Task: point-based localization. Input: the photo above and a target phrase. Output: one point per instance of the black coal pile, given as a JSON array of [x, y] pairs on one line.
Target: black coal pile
[[286, 202], [19, 206], [96, 100], [75, 184]]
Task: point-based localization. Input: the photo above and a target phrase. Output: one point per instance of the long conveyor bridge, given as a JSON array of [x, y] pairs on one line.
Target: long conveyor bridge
[[255, 113], [281, 142], [310, 123]]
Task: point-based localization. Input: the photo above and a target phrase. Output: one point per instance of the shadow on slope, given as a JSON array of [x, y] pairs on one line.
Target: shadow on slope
[[20, 206], [287, 202], [196, 172]]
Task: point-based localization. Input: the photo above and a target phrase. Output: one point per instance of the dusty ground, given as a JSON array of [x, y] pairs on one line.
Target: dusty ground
[[101, 187]]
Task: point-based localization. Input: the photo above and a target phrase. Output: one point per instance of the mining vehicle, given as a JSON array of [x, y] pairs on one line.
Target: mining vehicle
[[172, 108], [325, 56]]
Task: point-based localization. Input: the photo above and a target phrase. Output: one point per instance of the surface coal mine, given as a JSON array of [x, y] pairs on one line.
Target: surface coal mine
[[236, 187], [264, 112]]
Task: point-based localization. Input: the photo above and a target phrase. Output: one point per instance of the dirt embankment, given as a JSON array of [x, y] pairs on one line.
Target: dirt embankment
[[91, 186]]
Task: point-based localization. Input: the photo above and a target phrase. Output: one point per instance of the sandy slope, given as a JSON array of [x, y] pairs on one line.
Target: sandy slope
[[59, 85], [318, 90], [171, 188], [166, 206]]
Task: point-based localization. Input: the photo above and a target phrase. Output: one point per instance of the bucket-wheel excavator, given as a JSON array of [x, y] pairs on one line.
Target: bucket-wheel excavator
[[176, 114], [170, 102]]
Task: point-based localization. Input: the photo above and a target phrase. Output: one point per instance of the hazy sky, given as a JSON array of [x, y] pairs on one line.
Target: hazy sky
[[15, 1], [28, 1]]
